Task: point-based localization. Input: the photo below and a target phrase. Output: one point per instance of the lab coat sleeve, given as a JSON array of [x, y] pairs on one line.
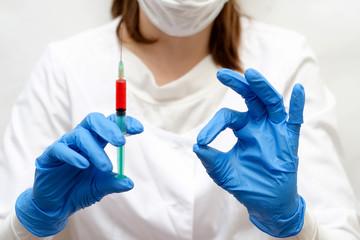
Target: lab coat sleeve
[[331, 203], [39, 117], [14, 230]]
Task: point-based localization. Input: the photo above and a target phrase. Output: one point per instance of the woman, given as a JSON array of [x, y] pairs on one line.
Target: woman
[[172, 52]]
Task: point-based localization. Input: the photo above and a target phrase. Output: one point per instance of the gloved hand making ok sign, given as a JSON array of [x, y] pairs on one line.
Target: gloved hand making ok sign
[[73, 173], [261, 169]]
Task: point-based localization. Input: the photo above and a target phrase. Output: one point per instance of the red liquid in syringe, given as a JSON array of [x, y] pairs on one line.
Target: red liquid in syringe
[[121, 94]]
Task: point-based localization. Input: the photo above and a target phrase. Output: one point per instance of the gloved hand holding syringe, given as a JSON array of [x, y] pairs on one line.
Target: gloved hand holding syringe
[[75, 172]]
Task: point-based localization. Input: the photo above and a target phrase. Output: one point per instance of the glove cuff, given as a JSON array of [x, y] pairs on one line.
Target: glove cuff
[[282, 228], [36, 221]]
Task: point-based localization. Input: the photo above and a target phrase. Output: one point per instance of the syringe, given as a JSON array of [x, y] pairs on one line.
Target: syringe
[[121, 111]]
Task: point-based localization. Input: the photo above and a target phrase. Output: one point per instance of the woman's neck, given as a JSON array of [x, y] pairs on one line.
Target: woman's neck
[[169, 57]]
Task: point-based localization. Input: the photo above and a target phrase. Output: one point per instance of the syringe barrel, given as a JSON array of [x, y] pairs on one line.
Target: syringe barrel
[[121, 94]]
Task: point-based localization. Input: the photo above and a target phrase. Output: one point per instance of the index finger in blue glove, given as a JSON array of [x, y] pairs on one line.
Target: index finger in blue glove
[[80, 139], [238, 83], [267, 94], [297, 103], [103, 127], [133, 126], [223, 119]]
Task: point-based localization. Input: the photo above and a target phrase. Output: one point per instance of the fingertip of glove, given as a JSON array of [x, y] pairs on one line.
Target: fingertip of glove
[[103, 163], [299, 91], [130, 184], [201, 141], [250, 72], [125, 184], [196, 148], [252, 75], [83, 164], [223, 74], [299, 86], [120, 141], [78, 161], [139, 128], [133, 126], [105, 167]]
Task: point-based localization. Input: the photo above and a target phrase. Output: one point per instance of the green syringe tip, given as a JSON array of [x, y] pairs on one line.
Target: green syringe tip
[[121, 70]]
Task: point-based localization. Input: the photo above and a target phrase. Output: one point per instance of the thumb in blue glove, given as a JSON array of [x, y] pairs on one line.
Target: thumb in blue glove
[[73, 173], [261, 169]]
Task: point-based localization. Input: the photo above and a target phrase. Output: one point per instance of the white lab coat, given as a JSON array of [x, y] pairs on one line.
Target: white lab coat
[[173, 198]]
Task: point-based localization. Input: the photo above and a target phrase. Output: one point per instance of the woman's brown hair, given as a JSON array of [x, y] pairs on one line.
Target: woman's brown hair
[[225, 34]]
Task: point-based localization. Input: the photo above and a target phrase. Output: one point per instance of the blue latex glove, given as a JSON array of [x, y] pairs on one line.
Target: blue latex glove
[[261, 169], [73, 173]]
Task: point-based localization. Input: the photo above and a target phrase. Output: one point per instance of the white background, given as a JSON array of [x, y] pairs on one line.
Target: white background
[[331, 26]]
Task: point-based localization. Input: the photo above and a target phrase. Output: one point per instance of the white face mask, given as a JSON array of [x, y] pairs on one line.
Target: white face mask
[[181, 17]]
